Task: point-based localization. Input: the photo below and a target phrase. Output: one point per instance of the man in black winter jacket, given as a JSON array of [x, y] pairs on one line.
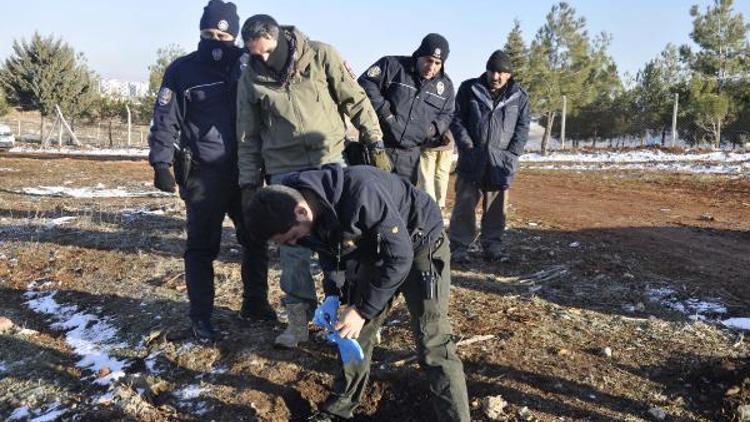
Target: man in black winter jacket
[[414, 100], [376, 236], [490, 127], [194, 116]]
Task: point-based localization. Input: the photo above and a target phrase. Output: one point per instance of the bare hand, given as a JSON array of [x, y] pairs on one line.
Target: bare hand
[[350, 323]]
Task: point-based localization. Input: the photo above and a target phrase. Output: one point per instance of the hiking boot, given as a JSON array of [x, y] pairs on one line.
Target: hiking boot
[[296, 332], [204, 331], [496, 252], [257, 310], [460, 256]]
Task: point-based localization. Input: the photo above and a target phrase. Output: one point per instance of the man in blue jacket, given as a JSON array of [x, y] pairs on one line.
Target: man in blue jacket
[[389, 238], [193, 130], [490, 127], [414, 100]]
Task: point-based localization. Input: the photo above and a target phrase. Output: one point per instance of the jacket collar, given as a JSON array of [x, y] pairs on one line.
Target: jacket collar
[[303, 57], [482, 93]]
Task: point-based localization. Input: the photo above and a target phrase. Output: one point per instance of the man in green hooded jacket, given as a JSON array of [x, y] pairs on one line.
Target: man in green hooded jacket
[[291, 102]]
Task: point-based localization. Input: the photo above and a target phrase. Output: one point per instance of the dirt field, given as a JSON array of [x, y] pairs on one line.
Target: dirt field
[[608, 309]]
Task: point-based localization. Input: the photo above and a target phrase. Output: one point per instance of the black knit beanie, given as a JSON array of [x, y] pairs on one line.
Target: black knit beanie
[[433, 45], [221, 16], [499, 61]]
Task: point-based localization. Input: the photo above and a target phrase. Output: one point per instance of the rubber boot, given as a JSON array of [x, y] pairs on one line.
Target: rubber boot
[[296, 332]]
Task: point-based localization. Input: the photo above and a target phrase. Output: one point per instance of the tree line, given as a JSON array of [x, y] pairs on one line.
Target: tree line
[[710, 78]]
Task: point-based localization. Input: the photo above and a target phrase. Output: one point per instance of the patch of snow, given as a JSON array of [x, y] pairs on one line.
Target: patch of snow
[[219, 370], [116, 152], [19, 413], [3, 367], [738, 323], [575, 244], [635, 156], [696, 309], [60, 221], [133, 212], [190, 392], [51, 414], [150, 362], [90, 336], [89, 192], [8, 170], [697, 168]]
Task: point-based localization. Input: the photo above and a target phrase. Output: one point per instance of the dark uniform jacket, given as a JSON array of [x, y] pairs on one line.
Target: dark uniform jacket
[[490, 133], [371, 214], [196, 108], [406, 105]]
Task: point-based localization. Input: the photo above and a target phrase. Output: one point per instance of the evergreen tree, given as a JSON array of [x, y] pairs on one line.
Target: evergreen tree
[[4, 106], [516, 49], [44, 72], [723, 56], [564, 61]]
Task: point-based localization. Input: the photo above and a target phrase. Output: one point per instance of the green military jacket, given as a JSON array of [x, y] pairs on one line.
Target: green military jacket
[[299, 125]]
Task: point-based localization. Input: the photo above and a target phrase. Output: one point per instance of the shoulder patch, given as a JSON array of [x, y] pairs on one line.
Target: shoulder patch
[[374, 72], [440, 87], [165, 96]]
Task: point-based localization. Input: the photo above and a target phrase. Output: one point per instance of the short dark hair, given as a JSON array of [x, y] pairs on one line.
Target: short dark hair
[[258, 25], [271, 211]]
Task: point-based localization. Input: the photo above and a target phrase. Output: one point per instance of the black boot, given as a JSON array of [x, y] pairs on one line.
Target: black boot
[[257, 310], [204, 331]]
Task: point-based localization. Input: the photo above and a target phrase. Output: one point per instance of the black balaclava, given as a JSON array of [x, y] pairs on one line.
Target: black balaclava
[[221, 16]]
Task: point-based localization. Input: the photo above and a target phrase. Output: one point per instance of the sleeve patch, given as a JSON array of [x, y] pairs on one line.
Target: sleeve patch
[[374, 72], [165, 96]]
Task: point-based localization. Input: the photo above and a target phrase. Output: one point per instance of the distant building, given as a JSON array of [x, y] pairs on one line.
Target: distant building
[[123, 89]]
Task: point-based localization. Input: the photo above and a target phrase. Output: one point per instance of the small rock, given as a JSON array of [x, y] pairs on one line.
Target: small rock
[[103, 372], [5, 325], [732, 391], [606, 352], [28, 332], [657, 413], [743, 413], [494, 407], [563, 352], [575, 244], [525, 415], [706, 217]]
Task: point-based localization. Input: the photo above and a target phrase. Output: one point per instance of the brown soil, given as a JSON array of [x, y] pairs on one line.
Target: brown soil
[[551, 309]]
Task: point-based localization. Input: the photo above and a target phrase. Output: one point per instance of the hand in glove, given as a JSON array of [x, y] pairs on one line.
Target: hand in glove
[[378, 156], [328, 312], [349, 349], [163, 180]]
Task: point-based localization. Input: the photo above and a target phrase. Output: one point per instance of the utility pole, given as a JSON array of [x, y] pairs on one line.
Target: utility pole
[[674, 118], [562, 122]]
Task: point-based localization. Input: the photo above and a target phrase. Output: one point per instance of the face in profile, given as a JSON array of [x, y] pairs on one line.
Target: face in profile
[[429, 67], [262, 46]]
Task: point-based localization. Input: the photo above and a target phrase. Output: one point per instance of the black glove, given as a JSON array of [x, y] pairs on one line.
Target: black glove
[[432, 131], [163, 180], [378, 156]]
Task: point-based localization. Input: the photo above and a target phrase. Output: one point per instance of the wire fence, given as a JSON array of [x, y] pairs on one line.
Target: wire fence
[[103, 134]]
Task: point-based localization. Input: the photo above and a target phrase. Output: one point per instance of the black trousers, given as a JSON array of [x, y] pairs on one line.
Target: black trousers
[[210, 195], [405, 162]]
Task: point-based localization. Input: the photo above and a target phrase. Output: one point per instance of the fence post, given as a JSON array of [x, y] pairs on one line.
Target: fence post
[[19, 128], [674, 118], [129, 124], [562, 122]]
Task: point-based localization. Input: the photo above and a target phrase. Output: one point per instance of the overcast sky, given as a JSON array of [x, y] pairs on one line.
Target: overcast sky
[[120, 38]]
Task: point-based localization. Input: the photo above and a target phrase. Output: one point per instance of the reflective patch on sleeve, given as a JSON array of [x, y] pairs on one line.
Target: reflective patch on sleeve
[[374, 72], [165, 96]]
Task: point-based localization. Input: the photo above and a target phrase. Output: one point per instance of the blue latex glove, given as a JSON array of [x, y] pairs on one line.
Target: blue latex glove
[[349, 349], [328, 312]]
